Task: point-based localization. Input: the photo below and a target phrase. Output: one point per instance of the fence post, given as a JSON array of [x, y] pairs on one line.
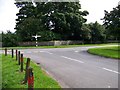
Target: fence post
[[21, 62], [26, 70], [12, 53], [30, 79], [5, 51], [16, 55]]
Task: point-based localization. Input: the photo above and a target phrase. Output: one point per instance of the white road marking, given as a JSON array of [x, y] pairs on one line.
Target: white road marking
[[49, 52], [72, 59], [110, 70], [76, 51]]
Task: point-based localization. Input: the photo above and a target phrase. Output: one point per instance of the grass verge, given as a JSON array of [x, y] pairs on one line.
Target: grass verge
[[61, 46], [111, 52], [12, 77]]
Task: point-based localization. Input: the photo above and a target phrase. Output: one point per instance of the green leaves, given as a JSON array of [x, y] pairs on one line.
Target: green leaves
[[9, 39], [97, 32], [112, 21], [62, 18]]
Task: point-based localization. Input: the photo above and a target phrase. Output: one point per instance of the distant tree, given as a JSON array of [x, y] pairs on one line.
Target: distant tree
[[9, 39], [48, 36], [86, 32], [97, 32], [112, 22]]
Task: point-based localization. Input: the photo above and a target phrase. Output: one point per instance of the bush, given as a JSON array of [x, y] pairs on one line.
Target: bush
[[48, 36], [9, 39]]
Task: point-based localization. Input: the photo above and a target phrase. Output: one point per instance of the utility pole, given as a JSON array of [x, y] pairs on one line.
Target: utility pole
[[36, 37]]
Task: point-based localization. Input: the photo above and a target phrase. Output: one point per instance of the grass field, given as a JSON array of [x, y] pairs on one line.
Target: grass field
[[12, 77], [112, 52], [61, 46]]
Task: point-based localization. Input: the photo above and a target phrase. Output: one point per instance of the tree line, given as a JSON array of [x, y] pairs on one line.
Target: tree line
[[61, 21]]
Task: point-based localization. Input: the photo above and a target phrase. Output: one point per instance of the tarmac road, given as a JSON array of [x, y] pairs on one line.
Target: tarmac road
[[76, 68]]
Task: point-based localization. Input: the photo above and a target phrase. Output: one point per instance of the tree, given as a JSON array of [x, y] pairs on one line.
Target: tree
[[86, 32], [63, 18], [112, 22], [27, 28], [97, 32], [9, 39], [27, 25]]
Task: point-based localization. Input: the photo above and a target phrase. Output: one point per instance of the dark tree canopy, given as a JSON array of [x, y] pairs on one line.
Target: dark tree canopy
[[61, 18], [9, 39], [97, 32], [112, 22]]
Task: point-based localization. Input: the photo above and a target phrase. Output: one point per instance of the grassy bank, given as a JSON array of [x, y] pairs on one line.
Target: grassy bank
[[61, 46], [12, 77], [111, 52]]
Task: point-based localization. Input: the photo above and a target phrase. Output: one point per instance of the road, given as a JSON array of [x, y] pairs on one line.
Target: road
[[76, 68]]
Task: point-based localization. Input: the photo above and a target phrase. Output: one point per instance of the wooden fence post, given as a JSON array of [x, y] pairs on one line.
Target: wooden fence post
[[5, 51], [30, 79], [12, 53], [21, 62], [26, 70], [16, 55]]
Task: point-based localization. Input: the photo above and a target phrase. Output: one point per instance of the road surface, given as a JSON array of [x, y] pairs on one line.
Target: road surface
[[76, 68]]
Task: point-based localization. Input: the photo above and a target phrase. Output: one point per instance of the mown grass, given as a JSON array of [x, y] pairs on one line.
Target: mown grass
[[61, 46], [111, 52], [12, 77]]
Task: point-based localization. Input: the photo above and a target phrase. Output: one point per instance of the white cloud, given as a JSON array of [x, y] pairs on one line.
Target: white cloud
[[7, 15], [96, 8]]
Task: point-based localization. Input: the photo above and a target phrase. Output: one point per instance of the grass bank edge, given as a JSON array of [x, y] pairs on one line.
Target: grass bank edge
[[42, 79], [108, 52], [61, 46]]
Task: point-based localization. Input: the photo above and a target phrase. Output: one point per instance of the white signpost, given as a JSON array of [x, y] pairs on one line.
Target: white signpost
[[36, 37]]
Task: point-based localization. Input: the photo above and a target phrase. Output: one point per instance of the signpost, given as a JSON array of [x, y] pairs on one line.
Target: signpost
[[36, 37]]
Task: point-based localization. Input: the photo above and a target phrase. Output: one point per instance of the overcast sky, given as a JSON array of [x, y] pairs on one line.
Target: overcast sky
[[95, 8]]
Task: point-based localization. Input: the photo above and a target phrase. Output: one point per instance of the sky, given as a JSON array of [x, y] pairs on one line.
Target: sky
[[95, 8]]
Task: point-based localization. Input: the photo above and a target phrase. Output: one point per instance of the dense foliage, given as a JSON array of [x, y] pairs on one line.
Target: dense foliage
[[112, 22], [9, 39], [97, 32], [62, 20]]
